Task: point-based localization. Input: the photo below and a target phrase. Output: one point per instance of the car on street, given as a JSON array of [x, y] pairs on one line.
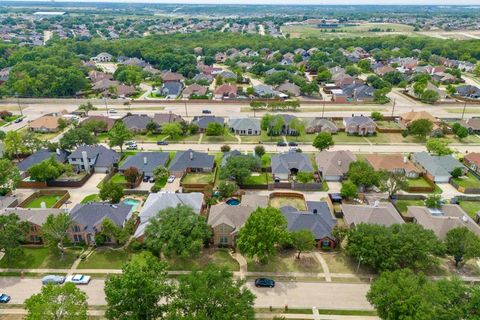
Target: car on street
[[162, 143], [293, 144], [18, 120], [151, 180], [78, 279], [4, 298], [171, 179], [146, 178], [51, 278], [112, 110], [132, 147], [281, 144], [206, 111], [131, 142], [264, 283]]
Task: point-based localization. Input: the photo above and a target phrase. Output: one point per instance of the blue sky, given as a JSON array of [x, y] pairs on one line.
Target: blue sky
[[318, 2]]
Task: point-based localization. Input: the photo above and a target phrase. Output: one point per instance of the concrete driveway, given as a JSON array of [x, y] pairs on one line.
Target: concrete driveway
[[90, 187]]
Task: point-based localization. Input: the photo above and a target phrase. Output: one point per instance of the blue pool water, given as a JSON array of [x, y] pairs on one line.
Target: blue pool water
[[233, 202], [133, 202]]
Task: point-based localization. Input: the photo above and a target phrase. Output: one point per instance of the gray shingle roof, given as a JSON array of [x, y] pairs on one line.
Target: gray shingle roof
[[104, 157], [91, 214], [437, 165], [284, 162], [358, 120], [40, 156], [317, 219], [137, 121], [203, 121], [245, 124], [146, 162], [191, 159]]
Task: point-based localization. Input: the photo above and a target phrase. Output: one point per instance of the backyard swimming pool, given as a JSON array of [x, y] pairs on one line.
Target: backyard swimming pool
[[133, 202]]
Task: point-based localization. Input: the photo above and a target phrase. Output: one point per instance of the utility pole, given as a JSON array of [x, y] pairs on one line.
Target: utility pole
[[186, 110], [323, 109], [464, 107], [393, 106], [19, 106], [106, 105]]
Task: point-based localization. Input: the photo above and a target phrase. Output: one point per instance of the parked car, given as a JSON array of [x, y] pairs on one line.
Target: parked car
[[53, 279], [131, 142], [132, 147], [78, 279], [171, 179], [151, 180], [18, 120], [146, 178], [112, 110], [264, 283], [281, 144], [162, 143], [293, 144], [206, 111], [4, 298]]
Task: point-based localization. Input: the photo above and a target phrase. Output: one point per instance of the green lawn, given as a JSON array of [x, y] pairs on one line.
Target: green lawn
[[266, 160], [39, 258], [149, 137], [342, 137], [471, 207], [251, 139], [259, 179], [419, 182], [105, 259], [194, 178], [226, 137], [286, 261], [388, 124], [403, 204], [118, 178], [468, 181], [278, 202], [91, 198], [49, 200], [302, 138], [218, 257], [340, 262]]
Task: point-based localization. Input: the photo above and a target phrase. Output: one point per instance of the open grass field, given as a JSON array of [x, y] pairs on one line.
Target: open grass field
[[49, 200], [361, 30]]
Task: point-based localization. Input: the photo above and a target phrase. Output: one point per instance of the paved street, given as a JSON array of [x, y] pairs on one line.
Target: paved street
[[294, 294]]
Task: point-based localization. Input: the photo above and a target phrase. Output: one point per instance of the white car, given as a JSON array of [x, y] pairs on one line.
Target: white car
[[112, 111], [78, 279], [171, 179], [131, 143]]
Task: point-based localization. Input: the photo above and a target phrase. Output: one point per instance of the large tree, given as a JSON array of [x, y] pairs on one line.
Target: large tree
[[177, 231], [14, 145], [12, 234], [173, 130], [439, 147], [303, 240], [57, 302], [212, 294], [462, 244], [392, 182], [394, 247], [48, 169], [238, 168], [214, 129], [136, 293], [77, 137], [118, 135], [111, 191], [9, 176], [363, 175], [87, 107], [420, 127], [263, 231], [323, 141], [55, 231]]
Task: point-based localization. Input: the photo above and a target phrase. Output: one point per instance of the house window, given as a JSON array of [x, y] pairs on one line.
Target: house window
[[326, 243], [76, 228], [33, 228], [35, 239], [223, 240], [77, 238]]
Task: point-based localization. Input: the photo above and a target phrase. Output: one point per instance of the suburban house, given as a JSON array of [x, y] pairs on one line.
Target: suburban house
[[289, 88], [88, 218], [203, 121], [146, 162], [194, 90], [407, 118], [7, 202], [191, 161], [245, 126], [163, 118], [383, 70], [266, 91], [444, 219], [395, 163], [35, 217], [472, 161], [285, 130], [39, 156], [380, 213], [315, 125], [137, 123], [44, 124], [468, 92], [96, 157], [228, 155], [169, 76], [334, 165], [102, 57], [317, 218], [227, 220], [472, 125], [359, 125], [108, 121], [171, 89], [225, 91], [437, 168], [358, 92], [290, 163], [163, 200]]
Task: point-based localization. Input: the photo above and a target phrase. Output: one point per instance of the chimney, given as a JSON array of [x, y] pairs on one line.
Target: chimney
[[57, 151], [339, 163], [85, 161], [405, 159], [145, 161], [191, 155]]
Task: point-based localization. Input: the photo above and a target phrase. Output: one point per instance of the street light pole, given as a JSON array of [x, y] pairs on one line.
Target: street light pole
[[393, 106], [186, 110], [323, 109], [19, 106], [464, 107]]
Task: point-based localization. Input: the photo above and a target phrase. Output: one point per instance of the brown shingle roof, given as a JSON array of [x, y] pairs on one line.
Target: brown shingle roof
[[48, 122], [391, 162]]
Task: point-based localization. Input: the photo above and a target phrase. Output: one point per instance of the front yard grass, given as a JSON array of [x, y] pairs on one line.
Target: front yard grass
[[279, 202], [340, 262], [286, 261], [471, 207], [40, 258], [468, 181], [105, 259], [49, 200], [198, 178], [342, 137], [226, 137], [388, 124], [215, 256]]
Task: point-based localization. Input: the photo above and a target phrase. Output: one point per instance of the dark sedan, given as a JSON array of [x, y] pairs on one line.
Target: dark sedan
[[264, 283]]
